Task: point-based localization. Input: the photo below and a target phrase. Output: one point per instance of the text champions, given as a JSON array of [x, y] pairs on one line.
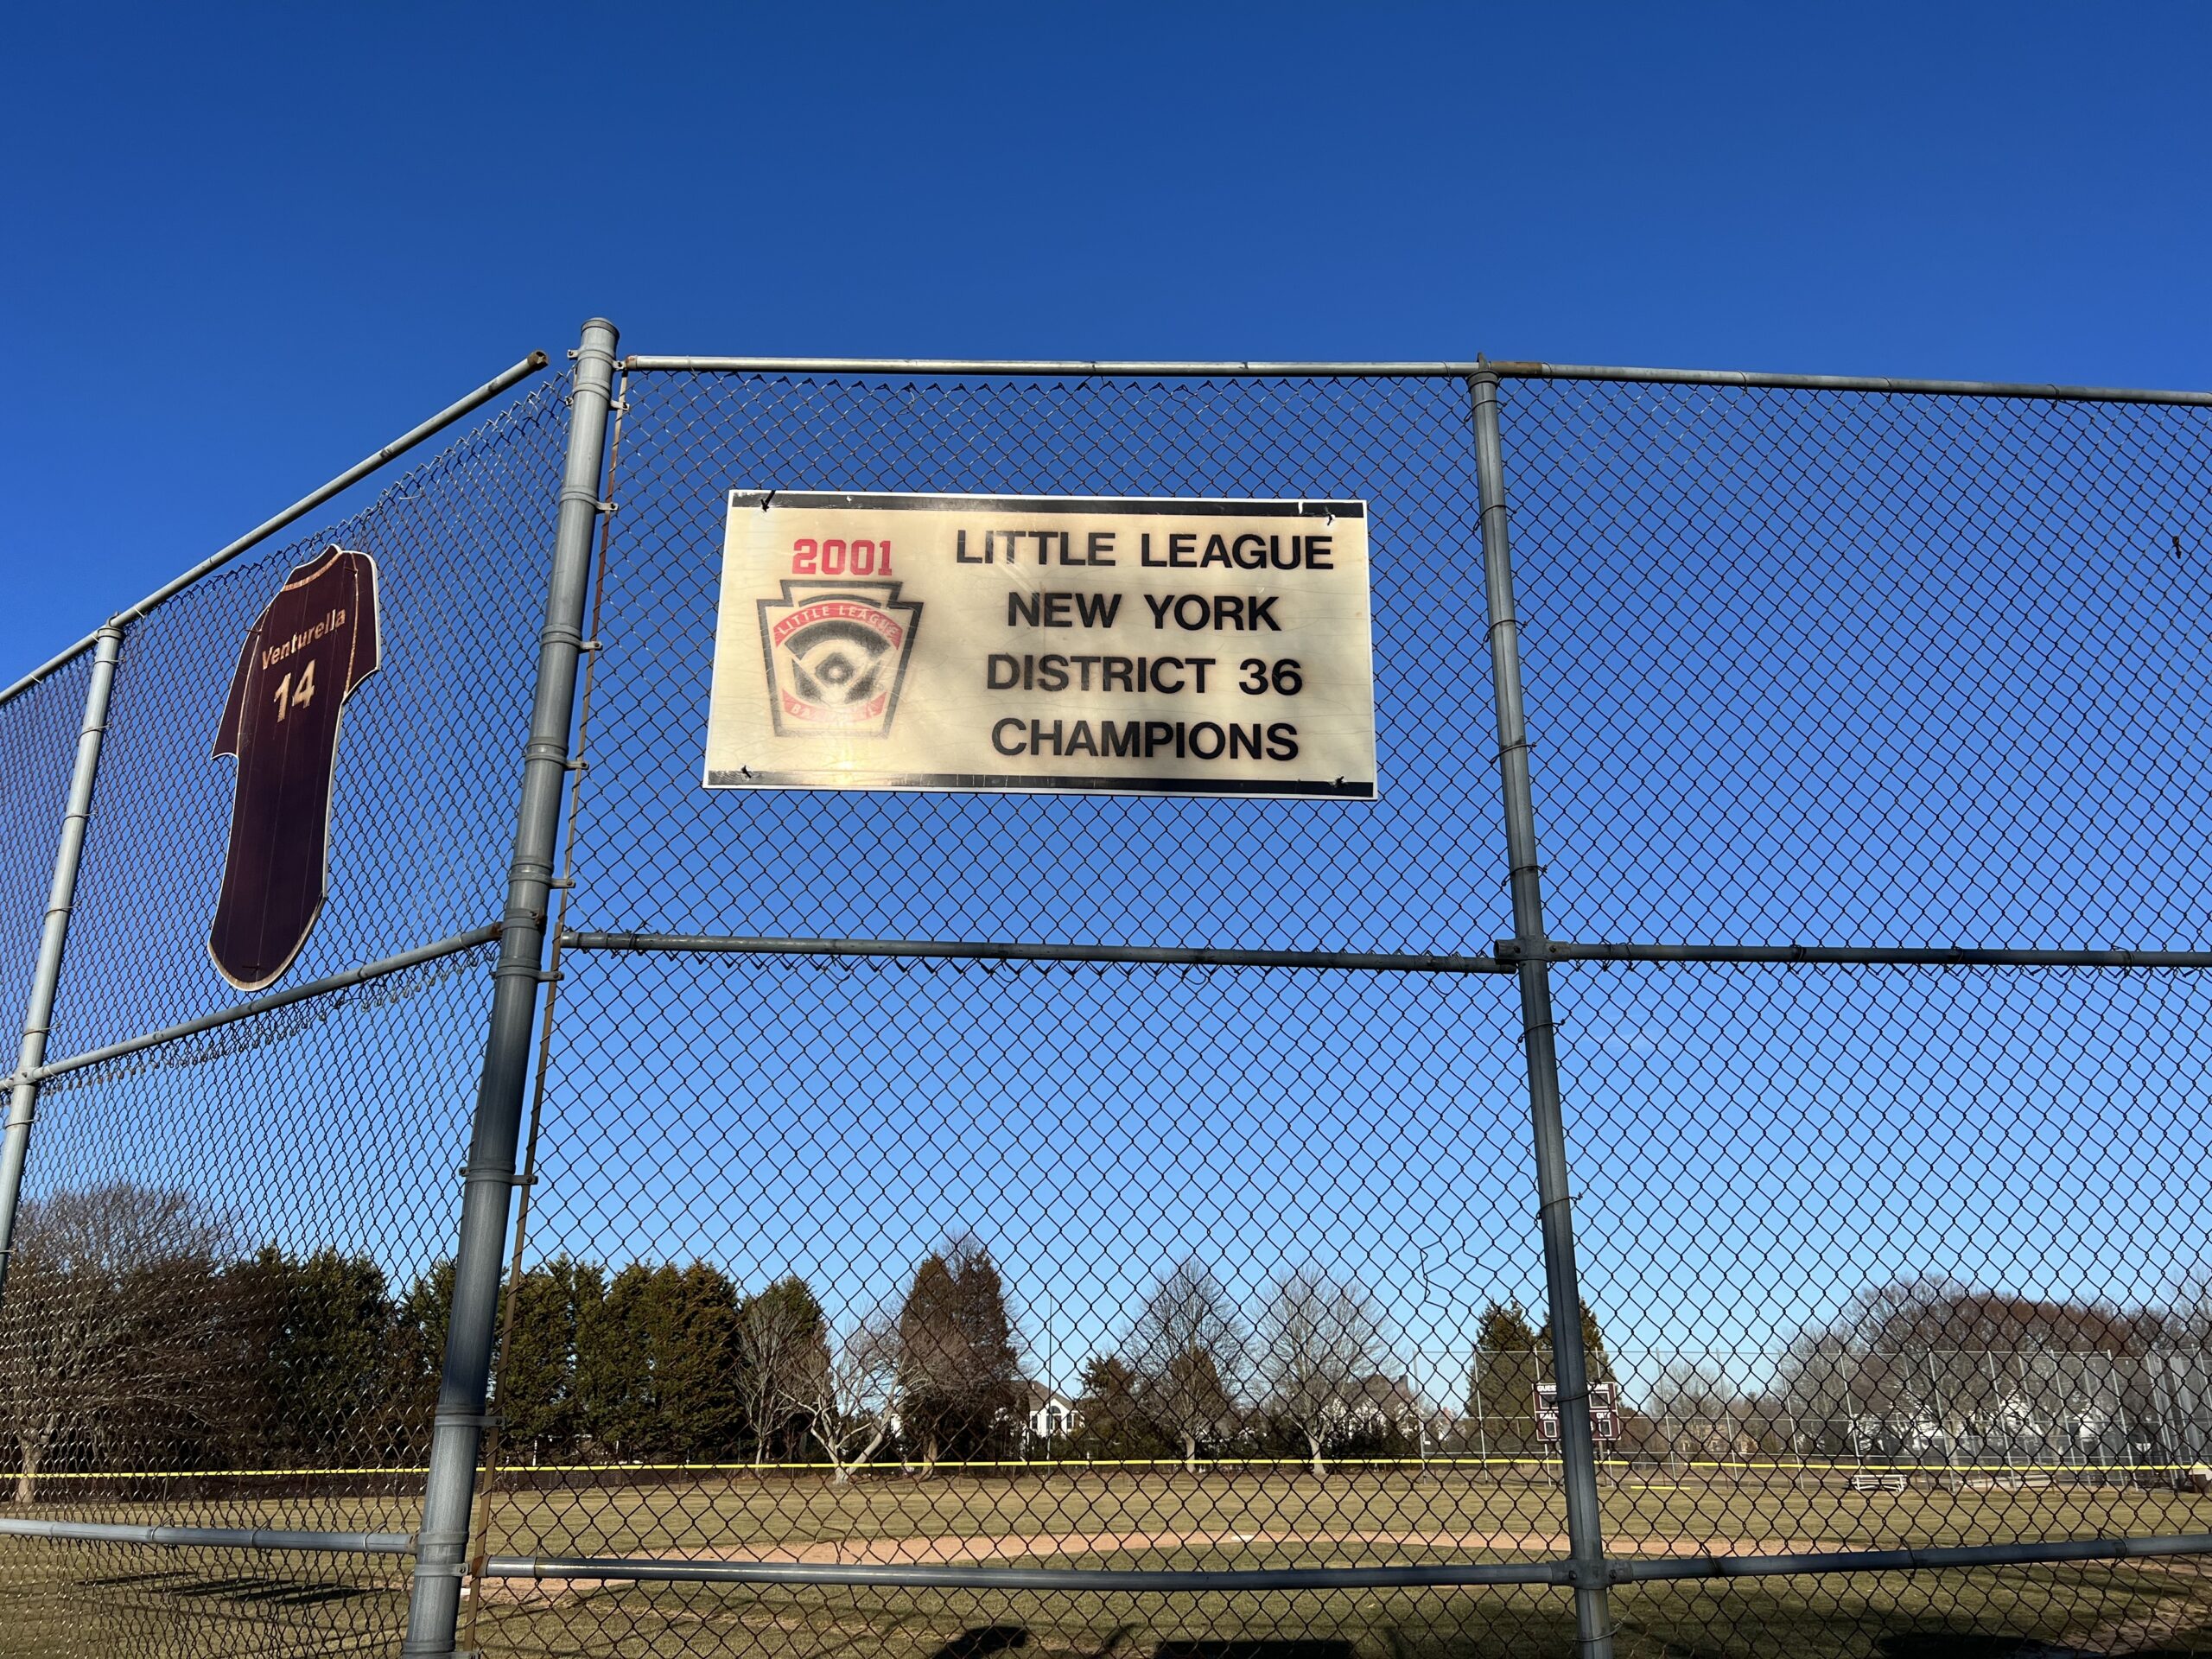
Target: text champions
[[1144, 739]]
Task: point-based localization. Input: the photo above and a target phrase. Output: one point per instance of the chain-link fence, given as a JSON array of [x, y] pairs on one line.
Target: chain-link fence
[[953, 1222]]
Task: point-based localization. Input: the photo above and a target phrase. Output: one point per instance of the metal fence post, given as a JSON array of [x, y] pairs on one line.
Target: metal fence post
[[487, 1191], [53, 940], [1593, 1625]]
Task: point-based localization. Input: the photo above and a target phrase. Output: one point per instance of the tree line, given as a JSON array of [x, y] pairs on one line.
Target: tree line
[[1931, 1369], [136, 1336]]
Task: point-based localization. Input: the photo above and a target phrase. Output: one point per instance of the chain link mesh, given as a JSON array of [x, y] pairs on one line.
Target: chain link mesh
[[1850, 669], [1041, 1267]]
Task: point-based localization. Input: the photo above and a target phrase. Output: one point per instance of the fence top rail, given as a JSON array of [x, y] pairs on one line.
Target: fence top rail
[[1757, 379], [299, 509], [647, 363]]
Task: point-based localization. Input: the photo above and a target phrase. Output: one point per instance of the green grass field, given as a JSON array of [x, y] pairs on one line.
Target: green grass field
[[63, 1598]]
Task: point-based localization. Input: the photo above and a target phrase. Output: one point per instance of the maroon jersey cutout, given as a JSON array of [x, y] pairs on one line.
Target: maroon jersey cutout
[[310, 646]]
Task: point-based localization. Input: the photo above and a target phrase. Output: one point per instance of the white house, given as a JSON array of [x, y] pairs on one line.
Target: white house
[[1048, 1417]]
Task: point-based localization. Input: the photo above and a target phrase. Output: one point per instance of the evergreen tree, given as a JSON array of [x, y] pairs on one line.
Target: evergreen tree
[[541, 1409], [1111, 1423], [1502, 1383], [1596, 1361], [958, 1367], [656, 1361], [415, 1364], [315, 1332]]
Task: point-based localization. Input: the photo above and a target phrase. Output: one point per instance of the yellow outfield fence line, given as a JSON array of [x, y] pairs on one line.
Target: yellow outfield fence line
[[1659, 1464]]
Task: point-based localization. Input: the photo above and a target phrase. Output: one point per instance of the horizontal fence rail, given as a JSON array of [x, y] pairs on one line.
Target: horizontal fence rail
[[917, 1576], [1857, 956], [368, 973], [253, 1538], [647, 363], [982, 951], [1508, 953]]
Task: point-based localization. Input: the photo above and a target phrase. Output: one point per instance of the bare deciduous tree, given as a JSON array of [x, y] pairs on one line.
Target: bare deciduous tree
[[114, 1324], [778, 1332], [1319, 1339], [1187, 1348], [849, 1394], [1701, 1413]]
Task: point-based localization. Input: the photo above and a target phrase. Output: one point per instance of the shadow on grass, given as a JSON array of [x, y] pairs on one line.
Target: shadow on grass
[[276, 1592], [1948, 1644], [983, 1639], [999, 1638]]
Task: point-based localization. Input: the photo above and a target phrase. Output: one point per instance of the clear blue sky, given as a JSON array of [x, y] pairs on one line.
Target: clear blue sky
[[246, 244]]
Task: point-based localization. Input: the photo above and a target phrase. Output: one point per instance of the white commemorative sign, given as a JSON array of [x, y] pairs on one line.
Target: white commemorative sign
[[888, 641]]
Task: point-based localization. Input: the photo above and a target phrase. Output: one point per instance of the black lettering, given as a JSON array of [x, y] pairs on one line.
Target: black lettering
[[1052, 673], [1080, 741], [1100, 544], [1157, 603], [1159, 665], [1029, 673], [1040, 735], [1275, 554], [1198, 665], [1256, 560], [1263, 610], [1283, 742], [1181, 752], [1022, 608], [1318, 553], [999, 663], [1085, 664], [1120, 741], [960, 549], [1207, 729], [1157, 734], [1244, 742], [1097, 610], [1217, 553], [1180, 549], [1144, 549], [1112, 669], [1059, 610], [1182, 618], [1229, 611], [998, 734]]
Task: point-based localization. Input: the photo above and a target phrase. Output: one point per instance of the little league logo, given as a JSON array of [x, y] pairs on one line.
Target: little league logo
[[837, 654]]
